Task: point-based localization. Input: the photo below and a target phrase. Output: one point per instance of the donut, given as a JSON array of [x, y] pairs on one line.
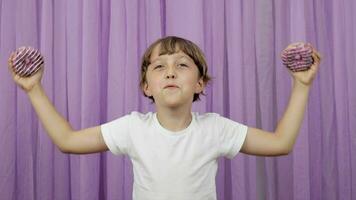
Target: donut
[[298, 57], [27, 61]]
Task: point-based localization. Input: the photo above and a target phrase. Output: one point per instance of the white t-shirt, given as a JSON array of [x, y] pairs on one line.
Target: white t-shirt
[[174, 165]]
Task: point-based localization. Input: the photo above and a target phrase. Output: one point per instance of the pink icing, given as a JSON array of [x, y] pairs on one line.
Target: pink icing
[[298, 57], [27, 61]]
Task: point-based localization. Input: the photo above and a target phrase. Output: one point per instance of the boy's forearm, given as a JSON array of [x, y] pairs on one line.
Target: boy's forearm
[[289, 125], [56, 126]]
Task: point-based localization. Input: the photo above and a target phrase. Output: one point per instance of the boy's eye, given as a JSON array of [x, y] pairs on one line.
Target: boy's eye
[[158, 66], [183, 65]]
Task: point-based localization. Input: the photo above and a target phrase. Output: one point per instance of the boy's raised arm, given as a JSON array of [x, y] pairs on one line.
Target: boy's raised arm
[[281, 142], [62, 134], [88, 140]]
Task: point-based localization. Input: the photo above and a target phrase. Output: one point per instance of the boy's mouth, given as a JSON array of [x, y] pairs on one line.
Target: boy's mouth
[[170, 86]]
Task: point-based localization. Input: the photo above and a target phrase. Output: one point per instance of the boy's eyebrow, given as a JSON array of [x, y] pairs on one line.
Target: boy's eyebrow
[[184, 56], [180, 57]]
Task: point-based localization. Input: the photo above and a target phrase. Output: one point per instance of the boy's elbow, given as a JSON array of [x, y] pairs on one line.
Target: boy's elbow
[[286, 150], [285, 146], [64, 151], [63, 145], [62, 148]]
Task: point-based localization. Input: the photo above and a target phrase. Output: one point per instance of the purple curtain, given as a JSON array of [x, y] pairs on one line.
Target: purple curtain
[[92, 52]]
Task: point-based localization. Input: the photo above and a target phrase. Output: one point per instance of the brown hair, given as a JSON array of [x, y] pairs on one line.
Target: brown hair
[[170, 45]]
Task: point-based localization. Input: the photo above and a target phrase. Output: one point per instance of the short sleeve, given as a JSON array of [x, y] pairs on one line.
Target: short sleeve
[[231, 136], [116, 135]]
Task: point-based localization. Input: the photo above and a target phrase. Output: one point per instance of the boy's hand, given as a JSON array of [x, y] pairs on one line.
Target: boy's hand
[[26, 83], [306, 77]]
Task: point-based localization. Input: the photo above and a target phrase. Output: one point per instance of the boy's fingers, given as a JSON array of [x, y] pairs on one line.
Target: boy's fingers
[[316, 53], [319, 56], [10, 66], [11, 70], [315, 57], [9, 61], [294, 44], [316, 60]]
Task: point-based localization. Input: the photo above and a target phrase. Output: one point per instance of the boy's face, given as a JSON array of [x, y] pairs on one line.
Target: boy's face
[[172, 80]]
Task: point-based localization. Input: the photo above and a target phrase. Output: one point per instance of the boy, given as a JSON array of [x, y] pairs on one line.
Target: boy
[[174, 151]]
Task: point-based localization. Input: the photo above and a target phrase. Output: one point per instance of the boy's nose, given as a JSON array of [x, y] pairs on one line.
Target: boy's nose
[[170, 76], [170, 73]]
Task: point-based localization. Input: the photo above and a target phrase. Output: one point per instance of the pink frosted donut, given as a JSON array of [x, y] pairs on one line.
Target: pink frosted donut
[[27, 61], [298, 57]]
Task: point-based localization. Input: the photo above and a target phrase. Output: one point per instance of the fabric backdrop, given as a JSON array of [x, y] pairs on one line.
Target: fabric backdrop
[[92, 53]]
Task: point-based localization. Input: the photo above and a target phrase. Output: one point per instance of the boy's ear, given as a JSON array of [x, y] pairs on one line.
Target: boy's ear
[[146, 89], [200, 86]]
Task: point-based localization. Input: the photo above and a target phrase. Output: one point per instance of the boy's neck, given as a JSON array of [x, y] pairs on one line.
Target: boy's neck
[[174, 119]]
